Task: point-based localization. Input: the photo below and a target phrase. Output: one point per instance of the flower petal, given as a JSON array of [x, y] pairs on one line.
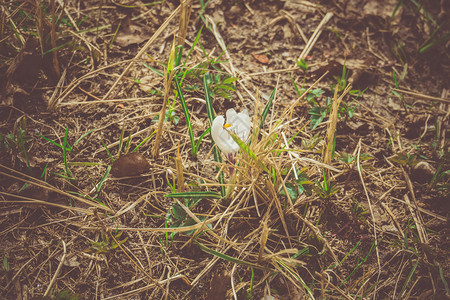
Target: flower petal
[[239, 124], [222, 138]]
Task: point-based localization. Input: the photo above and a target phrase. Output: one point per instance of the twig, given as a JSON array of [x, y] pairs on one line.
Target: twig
[[315, 36], [371, 210], [423, 96], [389, 211], [145, 288], [45, 185], [143, 49], [63, 258], [423, 210], [416, 214], [221, 44]]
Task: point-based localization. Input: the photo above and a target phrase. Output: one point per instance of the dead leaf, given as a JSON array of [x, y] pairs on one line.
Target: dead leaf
[[262, 58], [70, 261]]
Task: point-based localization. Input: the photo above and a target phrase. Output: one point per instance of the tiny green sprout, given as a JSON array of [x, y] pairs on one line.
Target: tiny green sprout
[[66, 147], [297, 186], [341, 81], [177, 217], [326, 189], [5, 263], [313, 95], [169, 115], [349, 159], [311, 143], [358, 212], [105, 245], [63, 295], [302, 64], [405, 159], [317, 113]]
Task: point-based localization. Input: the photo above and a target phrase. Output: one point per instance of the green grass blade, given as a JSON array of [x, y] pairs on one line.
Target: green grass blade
[[56, 48], [408, 279], [200, 139], [186, 115], [360, 263], [44, 171], [210, 111], [441, 274], [247, 150], [154, 70], [189, 54], [301, 252], [109, 153], [197, 38], [231, 259], [295, 275], [103, 179], [209, 108], [83, 136], [194, 195], [128, 144], [350, 252], [65, 143], [297, 90], [144, 141], [178, 54], [251, 283], [435, 43], [49, 140], [267, 108]]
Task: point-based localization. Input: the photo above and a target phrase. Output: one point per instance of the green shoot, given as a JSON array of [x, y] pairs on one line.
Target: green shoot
[[360, 262], [230, 258], [211, 116], [66, 148], [267, 108], [143, 141], [302, 64], [327, 189], [105, 245]]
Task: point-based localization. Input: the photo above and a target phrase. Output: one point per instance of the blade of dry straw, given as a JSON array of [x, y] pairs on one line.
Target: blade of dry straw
[[328, 149], [185, 15], [180, 174], [168, 82], [231, 259], [143, 50], [263, 240], [47, 186], [247, 150]]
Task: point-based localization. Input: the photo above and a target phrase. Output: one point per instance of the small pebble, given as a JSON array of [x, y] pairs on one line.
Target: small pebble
[[130, 164]]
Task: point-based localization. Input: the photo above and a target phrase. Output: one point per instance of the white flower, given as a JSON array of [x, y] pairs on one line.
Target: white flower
[[237, 123]]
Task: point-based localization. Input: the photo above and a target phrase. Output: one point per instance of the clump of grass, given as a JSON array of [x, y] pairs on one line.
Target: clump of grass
[[263, 181], [105, 244], [66, 149]]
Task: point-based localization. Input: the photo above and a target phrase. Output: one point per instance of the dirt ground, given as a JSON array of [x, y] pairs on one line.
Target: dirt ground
[[341, 191]]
